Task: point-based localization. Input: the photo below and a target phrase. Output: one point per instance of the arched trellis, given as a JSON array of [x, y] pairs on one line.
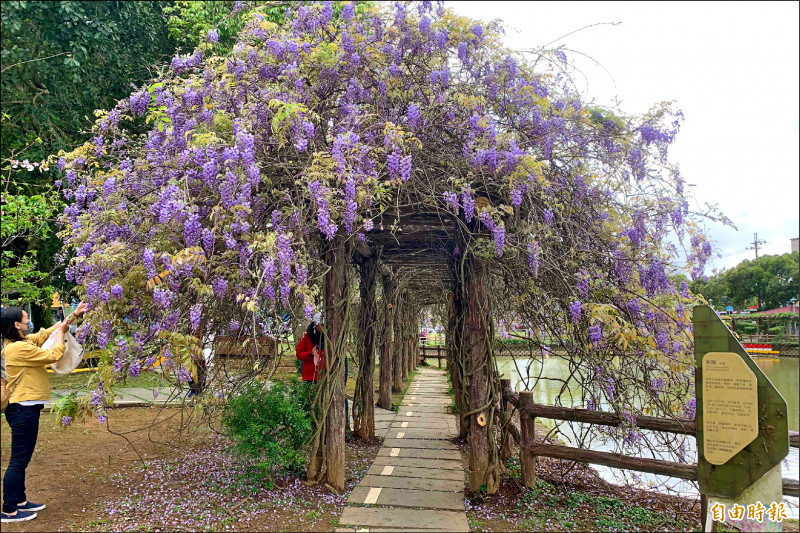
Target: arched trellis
[[428, 262], [411, 131]]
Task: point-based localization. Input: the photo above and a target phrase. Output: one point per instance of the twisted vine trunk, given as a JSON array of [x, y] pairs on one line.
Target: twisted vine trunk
[[477, 336], [397, 348], [476, 341], [363, 401], [455, 362], [412, 339], [385, 387], [404, 327], [327, 452]]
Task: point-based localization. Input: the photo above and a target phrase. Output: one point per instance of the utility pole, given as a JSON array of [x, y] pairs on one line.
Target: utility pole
[[754, 246]]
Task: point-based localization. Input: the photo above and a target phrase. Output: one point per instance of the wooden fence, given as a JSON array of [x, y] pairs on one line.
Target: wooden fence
[[433, 352], [437, 352], [530, 449]]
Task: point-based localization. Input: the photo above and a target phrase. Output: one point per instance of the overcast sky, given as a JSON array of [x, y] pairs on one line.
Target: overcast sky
[[732, 68]]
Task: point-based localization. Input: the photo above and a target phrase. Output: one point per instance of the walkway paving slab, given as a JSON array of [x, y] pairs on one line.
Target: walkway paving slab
[[419, 453], [413, 483], [435, 423], [419, 443], [361, 529], [141, 392], [424, 398], [443, 409], [453, 501], [413, 433], [425, 401], [413, 411], [416, 482], [410, 471], [421, 520], [406, 415], [418, 462]]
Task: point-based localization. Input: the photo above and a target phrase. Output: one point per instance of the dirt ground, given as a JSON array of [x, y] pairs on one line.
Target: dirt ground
[[71, 467], [94, 480]]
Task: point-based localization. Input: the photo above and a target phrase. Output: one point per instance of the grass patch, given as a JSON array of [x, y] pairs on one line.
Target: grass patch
[[571, 510], [147, 379]]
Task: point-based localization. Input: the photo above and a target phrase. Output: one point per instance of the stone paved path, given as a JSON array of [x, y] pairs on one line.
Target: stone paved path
[[417, 481]]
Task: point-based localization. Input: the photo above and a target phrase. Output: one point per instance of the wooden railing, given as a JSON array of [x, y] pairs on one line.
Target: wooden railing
[[766, 337], [433, 352], [439, 353], [530, 449]]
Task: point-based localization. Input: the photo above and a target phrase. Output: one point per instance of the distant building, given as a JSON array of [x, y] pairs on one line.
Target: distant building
[[796, 244]]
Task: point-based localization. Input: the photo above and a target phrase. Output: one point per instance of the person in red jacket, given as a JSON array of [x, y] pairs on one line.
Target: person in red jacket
[[309, 351]]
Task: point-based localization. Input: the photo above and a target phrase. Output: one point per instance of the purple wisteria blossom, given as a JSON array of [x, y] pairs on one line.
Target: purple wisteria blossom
[[533, 258], [116, 291], [195, 314], [575, 311], [468, 203], [451, 199], [596, 335]]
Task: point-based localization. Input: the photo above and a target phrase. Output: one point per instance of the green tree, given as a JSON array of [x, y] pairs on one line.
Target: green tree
[[62, 60], [772, 279], [714, 289]]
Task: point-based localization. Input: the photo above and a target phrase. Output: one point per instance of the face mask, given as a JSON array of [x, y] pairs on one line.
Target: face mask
[[30, 325]]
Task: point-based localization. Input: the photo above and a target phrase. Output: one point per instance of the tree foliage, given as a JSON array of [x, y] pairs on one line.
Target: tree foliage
[[774, 279], [26, 225], [191, 22], [62, 60]]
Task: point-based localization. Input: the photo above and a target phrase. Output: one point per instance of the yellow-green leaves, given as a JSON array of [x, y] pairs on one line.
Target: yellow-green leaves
[[285, 113]]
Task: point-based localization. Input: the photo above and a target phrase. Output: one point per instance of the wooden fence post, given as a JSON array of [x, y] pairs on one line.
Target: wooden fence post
[[527, 423]]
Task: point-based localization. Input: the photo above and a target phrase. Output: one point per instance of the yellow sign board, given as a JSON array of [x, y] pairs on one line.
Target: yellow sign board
[[730, 406]]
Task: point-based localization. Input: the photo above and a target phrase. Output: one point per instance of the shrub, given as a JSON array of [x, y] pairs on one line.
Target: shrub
[[271, 423]]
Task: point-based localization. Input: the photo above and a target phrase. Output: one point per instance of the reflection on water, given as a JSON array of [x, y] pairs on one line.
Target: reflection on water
[[784, 373], [553, 384]]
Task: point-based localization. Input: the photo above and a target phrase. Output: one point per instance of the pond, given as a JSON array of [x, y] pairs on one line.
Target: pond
[[784, 372]]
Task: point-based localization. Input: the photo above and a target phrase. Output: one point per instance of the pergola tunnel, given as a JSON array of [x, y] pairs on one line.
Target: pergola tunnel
[[435, 276]]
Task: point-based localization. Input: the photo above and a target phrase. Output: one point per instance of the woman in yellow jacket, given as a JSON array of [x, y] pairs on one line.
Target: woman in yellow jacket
[[26, 367]]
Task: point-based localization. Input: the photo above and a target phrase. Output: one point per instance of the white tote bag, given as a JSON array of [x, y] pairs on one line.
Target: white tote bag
[[73, 354]]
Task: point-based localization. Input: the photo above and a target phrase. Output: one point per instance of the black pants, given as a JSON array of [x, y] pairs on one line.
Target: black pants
[[24, 423]]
